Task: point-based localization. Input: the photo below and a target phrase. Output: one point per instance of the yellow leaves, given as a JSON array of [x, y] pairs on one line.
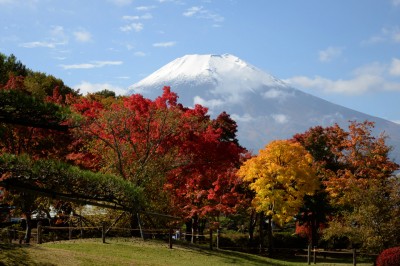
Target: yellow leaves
[[280, 175]]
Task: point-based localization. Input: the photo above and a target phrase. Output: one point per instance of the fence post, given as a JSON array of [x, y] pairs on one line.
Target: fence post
[[211, 239], [354, 257], [315, 255], [170, 238], [218, 232], [192, 239], [39, 232], [309, 254], [103, 232], [140, 226], [69, 229]]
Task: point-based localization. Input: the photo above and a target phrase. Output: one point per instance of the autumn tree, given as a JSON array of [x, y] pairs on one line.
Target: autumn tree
[[281, 175], [362, 189], [325, 145], [182, 159]]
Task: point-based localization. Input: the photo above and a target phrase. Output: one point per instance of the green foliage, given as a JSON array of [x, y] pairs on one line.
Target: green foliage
[[60, 179], [16, 107], [289, 240], [41, 85], [10, 65]]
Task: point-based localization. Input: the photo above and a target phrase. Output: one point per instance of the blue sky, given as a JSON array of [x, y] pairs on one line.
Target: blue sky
[[347, 52]]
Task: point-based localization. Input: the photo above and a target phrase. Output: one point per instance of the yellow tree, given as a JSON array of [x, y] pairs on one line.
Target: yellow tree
[[281, 175]]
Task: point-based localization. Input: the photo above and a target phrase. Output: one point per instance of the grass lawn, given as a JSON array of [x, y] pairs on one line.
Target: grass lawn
[[132, 252]]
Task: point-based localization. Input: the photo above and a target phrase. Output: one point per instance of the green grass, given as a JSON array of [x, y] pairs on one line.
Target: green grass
[[133, 252]]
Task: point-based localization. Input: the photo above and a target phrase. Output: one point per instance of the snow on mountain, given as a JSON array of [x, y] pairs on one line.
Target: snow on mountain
[[264, 107]]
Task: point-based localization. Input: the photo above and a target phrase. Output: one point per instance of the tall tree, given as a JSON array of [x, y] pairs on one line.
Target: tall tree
[[281, 175], [162, 147], [366, 177], [325, 145]]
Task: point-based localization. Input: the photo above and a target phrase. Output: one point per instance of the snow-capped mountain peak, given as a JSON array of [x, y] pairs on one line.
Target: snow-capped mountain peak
[[264, 107]]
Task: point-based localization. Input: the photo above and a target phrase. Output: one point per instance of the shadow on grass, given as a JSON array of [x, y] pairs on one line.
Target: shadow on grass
[[13, 254], [233, 257]]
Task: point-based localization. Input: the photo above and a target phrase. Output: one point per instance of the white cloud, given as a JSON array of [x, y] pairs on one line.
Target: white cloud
[[242, 118], [139, 54], [395, 67], [37, 44], [94, 64], [369, 78], [164, 44], [145, 16], [20, 3], [207, 103], [130, 17], [275, 94], [192, 11], [57, 37], [330, 53], [201, 12], [145, 8], [121, 2], [82, 36], [386, 35], [87, 87], [280, 118], [133, 26]]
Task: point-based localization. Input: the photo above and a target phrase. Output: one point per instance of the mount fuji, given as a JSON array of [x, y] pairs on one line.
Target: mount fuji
[[264, 107]]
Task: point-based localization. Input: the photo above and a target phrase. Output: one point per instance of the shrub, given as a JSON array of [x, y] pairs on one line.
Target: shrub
[[289, 240], [389, 257]]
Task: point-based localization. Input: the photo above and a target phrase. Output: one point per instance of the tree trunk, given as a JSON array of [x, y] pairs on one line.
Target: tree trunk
[[135, 225], [252, 226], [28, 231], [270, 237], [261, 232], [189, 226], [314, 230]]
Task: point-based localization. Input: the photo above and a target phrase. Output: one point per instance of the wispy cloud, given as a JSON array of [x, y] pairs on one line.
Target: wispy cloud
[[276, 94], [329, 54], [144, 16], [208, 103], [280, 118], [139, 54], [164, 44], [56, 37], [121, 2], [145, 8], [132, 27], [396, 2], [135, 26], [94, 64], [43, 44], [369, 78], [243, 118], [87, 87], [19, 3], [395, 67], [391, 34], [201, 12], [82, 36]]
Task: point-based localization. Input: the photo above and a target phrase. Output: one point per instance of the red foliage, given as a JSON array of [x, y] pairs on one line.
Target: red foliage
[[389, 257], [196, 156]]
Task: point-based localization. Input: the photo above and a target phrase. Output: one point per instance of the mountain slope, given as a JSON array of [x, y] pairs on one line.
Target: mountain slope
[[264, 107]]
